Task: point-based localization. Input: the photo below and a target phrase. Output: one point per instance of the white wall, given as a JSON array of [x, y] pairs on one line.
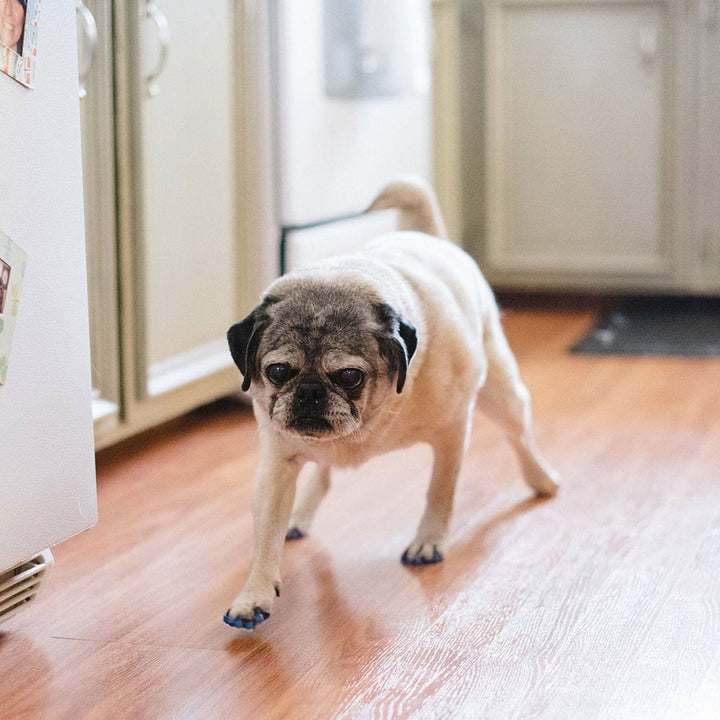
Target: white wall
[[47, 474]]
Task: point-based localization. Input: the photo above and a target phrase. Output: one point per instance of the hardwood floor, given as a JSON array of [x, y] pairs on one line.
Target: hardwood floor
[[601, 603]]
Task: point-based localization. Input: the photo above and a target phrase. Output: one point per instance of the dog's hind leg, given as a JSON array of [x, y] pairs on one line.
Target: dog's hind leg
[[311, 492], [506, 400]]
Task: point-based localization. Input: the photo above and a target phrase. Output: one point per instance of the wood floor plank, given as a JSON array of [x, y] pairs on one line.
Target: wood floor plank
[[601, 603]]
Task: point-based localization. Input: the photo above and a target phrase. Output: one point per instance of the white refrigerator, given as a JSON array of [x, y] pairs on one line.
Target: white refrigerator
[[47, 469], [351, 109]]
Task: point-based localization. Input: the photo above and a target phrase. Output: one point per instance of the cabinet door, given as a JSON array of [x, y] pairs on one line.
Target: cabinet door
[[176, 80], [95, 60], [579, 144], [188, 181], [705, 204]]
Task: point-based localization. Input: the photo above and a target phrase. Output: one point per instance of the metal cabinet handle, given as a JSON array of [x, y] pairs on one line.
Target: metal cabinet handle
[[153, 12], [91, 42]]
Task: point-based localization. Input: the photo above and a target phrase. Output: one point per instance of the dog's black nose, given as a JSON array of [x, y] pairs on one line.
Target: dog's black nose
[[309, 407], [310, 394]]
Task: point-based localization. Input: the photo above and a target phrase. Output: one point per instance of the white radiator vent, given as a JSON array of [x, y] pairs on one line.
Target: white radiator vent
[[21, 585]]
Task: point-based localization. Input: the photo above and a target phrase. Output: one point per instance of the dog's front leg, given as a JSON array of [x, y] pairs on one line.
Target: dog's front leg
[[307, 502], [272, 502], [449, 447]]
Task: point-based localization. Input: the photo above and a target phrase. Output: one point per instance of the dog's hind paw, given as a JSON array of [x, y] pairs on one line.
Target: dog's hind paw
[[422, 554], [294, 534]]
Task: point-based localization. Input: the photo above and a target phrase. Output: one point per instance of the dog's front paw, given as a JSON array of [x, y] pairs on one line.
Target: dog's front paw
[[422, 553], [250, 608]]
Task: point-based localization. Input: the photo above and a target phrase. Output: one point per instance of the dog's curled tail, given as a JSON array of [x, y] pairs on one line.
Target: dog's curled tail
[[417, 205]]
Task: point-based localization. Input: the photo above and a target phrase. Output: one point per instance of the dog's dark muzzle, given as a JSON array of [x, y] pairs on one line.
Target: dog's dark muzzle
[[309, 408]]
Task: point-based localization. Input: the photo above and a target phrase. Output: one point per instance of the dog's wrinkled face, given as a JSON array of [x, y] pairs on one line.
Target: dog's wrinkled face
[[321, 359]]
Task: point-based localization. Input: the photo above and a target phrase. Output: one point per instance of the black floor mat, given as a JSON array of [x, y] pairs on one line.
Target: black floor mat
[[687, 327]]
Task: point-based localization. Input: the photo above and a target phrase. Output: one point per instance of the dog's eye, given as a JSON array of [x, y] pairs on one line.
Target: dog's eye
[[350, 378], [278, 373]]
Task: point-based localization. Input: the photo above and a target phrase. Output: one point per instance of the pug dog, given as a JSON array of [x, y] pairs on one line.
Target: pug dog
[[392, 345]]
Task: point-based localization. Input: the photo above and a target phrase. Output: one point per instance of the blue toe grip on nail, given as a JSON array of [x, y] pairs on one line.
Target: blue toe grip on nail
[[417, 560], [239, 622]]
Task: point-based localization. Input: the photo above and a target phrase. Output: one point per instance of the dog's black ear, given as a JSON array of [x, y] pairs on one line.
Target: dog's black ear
[[397, 342], [243, 339]]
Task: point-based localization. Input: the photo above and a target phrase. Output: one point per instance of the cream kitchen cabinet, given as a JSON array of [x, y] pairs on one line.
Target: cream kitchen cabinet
[[169, 216], [590, 143], [98, 144]]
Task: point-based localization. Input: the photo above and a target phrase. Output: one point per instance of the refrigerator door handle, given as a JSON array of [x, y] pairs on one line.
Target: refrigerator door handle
[[90, 34]]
